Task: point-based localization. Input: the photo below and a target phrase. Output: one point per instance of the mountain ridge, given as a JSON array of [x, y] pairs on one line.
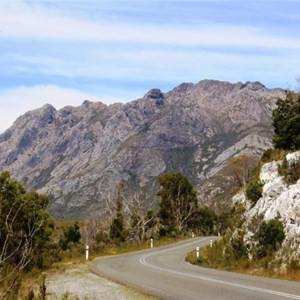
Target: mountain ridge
[[77, 155]]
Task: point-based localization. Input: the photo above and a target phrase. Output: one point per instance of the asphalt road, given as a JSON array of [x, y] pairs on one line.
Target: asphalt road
[[163, 273]]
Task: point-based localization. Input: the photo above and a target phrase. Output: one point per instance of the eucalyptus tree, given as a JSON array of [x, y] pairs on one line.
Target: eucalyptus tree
[[178, 201], [25, 228]]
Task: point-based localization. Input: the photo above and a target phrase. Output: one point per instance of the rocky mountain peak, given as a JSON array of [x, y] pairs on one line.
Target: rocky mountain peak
[[156, 95], [48, 113], [77, 155], [183, 88], [86, 103], [254, 86]]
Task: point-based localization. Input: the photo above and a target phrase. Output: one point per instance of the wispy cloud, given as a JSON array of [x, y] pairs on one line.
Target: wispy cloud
[[145, 64], [63, 52], [22, 21]]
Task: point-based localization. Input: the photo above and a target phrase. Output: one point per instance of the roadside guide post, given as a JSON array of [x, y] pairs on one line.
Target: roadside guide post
[[151, 243], [211, 243], [197, 252], [86, 252]]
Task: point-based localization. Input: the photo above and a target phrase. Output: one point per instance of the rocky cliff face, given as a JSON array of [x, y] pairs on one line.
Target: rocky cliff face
[[279, 200], [77, 155]]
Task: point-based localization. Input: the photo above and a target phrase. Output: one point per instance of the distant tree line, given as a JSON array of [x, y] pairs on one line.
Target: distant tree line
[[178, 213]]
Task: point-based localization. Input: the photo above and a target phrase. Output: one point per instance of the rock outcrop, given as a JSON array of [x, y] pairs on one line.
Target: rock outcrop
[[77, 155], [279, 200]]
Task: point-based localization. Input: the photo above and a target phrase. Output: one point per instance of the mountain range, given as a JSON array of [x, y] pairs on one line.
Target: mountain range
[[78, 155]]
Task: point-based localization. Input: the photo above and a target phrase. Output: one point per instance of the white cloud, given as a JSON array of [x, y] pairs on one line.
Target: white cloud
[[64, 46], [138, 65], [17, 101], [21, 21]]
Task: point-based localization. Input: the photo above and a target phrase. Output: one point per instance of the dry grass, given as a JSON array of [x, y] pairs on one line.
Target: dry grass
[[273, 154], [212, 258]]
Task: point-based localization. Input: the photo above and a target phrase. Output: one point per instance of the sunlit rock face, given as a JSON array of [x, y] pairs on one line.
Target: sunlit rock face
[[279, 200]]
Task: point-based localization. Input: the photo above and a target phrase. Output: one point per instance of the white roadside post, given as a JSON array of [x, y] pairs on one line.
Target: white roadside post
[[197, 252], [86, 252], [151, 243], [211, 243]]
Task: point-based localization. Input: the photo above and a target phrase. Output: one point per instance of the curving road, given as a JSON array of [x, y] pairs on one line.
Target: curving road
[[163, 273]]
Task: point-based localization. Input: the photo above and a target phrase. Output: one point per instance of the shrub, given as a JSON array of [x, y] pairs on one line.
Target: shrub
[[270, 236], [71, 234], [202, 221], [294, 265], [291, 172], [238, 248], [167, 231], [273, 154], [254, 190]]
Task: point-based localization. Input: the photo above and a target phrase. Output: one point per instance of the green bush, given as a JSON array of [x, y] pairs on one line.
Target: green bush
[[202, 221], [167, 231], [254, 190], [238, 247], [71, 235], [270, 236]]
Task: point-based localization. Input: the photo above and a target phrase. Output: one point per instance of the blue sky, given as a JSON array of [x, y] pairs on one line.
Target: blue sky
[[63, 52]]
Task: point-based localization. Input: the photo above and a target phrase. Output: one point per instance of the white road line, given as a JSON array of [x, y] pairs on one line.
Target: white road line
[[252, 288]]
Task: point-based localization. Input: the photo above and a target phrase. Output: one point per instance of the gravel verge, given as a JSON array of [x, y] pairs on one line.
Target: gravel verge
[[78, 283]]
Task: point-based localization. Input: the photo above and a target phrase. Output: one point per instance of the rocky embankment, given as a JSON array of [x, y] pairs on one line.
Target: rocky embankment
[[279, 200]]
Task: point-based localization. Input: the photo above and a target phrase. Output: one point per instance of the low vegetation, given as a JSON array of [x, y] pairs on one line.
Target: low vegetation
[[269, 266], [273, 155], [254, 190], [291, 173], [258, 256], [31, 242], [269, 237]]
